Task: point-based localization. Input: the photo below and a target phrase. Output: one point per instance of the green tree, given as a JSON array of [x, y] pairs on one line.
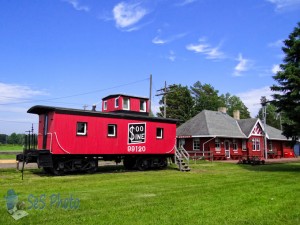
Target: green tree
[[273, 118], [232, 102], [205, 97], [179, 104], [287, 88]]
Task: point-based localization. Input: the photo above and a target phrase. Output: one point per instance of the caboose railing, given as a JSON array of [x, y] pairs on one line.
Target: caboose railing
[[182, 158]]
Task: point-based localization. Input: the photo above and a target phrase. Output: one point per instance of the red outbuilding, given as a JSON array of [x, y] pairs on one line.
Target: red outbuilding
[[216, 135]]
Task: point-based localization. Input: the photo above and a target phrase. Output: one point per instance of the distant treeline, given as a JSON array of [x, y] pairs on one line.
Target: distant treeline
[[15, 139]]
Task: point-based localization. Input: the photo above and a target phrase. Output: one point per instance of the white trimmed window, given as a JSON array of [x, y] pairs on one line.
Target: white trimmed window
[[244, 145], [270, 146], [81, 128], [117, 102], [234, 145], [256, 144], [126, 103], [105, 105], [217, 144], [112, 130], [159, 133], [142, 106], [196, 144]]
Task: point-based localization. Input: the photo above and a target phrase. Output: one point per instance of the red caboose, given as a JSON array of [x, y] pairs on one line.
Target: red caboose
[[72, 139]]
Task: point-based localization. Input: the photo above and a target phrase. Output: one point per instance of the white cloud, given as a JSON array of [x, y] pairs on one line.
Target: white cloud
[[10, 93], [185, 2], [242, 66], [126, 14], [172, 56], [159, 41], [77, 6], [204, 48], [281, 5], [276, 44], [252, 98], [276, 68]]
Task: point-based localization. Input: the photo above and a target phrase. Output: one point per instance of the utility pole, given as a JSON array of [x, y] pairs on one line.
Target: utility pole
[[164, 91], [150, 94], [264, 102]]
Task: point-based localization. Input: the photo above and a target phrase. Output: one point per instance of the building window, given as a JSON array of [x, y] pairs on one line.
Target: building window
[[117, 102], [256, 144], [196, 144], [217, 144], [270, 146], [142, 106], [112, 130], [234, 145], [126, 103], [244, 145], [159, 133], [105, 105], [81, 128]]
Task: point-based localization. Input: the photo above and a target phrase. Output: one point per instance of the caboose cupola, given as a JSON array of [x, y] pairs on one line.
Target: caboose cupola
[[125, 104]]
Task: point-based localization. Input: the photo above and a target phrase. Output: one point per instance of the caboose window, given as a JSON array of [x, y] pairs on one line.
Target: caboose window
[[112, 130], [81, 128], [159, 133], [105, 105], [142, 105], [126, 103], [117, 102]]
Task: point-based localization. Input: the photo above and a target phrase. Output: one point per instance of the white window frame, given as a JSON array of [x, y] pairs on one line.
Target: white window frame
[[143, 104], [105, 105], [255, 144], [114, 134], [196, 144], [235, 146], [84, 133], [117, 102], [125, 99], [244, 145], [270, 146], [161, 133]]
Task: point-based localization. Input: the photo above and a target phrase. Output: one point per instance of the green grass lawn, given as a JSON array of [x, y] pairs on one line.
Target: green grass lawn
[[7, 148], [212, 193]]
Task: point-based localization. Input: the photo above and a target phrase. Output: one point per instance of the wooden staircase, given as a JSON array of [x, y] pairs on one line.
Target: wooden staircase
[[182, 159]]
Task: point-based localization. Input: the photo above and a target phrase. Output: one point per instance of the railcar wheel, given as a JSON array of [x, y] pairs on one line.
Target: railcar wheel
[[58, 168], [142, 164], [129, 163], [47, 170], [163, 163]]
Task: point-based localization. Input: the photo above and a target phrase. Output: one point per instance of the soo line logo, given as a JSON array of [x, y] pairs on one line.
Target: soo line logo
[[136, 133]]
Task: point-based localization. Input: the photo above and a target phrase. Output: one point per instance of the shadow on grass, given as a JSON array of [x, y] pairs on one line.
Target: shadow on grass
[[101, 170], [274, 167]]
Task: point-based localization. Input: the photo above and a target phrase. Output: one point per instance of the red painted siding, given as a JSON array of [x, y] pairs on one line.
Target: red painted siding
[[134, 104], [62, 138]]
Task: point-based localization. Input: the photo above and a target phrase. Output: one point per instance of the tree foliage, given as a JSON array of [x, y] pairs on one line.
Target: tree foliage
[[232, 103], [183, 103], [287, 89], [179, 103], [205, 97]]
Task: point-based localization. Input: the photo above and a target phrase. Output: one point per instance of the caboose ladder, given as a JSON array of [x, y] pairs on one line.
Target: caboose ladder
[[182, 159]]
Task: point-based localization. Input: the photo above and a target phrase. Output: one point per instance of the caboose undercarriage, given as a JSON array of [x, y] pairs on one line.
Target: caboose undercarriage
[[61, 164]]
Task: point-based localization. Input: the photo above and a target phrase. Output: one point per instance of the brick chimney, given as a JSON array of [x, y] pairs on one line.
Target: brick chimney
[[236, 114], [222, 110]]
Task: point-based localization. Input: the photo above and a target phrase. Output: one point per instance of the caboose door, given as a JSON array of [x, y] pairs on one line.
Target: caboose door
[[45, 131]]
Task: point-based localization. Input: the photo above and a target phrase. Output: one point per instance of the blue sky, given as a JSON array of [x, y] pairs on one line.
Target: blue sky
[[73, 53]]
